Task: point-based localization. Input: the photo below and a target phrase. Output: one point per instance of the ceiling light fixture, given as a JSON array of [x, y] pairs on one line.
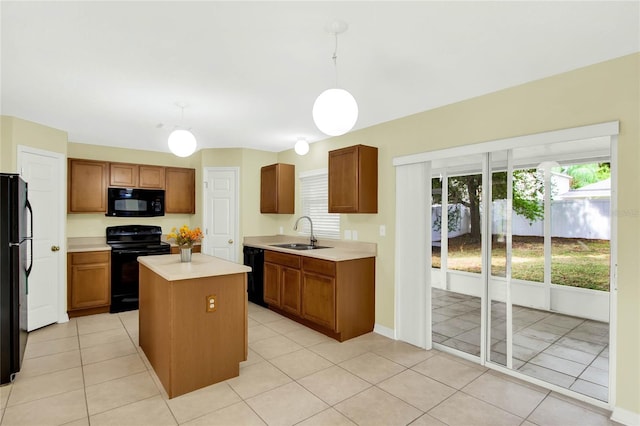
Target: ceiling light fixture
[[302, 146], [335, 111], [181, 141]]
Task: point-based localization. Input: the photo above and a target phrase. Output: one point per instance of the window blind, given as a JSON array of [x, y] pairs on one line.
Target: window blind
[[314, 190]]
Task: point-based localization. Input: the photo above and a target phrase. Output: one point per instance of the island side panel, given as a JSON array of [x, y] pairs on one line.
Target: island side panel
[[154, 323], [356, 297], [207, 347]]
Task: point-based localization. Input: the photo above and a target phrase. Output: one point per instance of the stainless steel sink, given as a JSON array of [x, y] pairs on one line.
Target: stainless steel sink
[[298, 246]]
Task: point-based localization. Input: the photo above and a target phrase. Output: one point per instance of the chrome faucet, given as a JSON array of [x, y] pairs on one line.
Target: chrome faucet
[[313, 240]]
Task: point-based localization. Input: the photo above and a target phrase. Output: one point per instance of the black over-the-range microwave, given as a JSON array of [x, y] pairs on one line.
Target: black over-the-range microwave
[[127, 202]]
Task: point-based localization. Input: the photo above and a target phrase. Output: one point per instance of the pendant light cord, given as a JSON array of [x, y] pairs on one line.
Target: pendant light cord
[[335, 58]]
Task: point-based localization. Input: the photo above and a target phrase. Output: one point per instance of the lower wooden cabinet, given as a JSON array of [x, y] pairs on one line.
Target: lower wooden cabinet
[[335, 298], [319, 302], [88, 283]]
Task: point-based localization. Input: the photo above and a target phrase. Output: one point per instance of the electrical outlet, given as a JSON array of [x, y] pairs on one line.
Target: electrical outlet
[[354, 234], [383, 230], [347, 234], [211, 303], [281, 231]]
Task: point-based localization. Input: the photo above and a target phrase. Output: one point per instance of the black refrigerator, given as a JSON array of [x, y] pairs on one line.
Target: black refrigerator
[[15, 265]]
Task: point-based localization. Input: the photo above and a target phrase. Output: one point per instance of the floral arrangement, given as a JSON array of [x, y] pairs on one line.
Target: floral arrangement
[[185, 237]]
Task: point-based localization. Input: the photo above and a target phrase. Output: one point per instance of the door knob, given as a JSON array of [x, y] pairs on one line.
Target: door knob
[[230, 241], [55, 248]]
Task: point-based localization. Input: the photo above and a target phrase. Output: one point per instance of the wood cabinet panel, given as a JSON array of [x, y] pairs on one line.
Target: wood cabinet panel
[[323, 267], [319, 299], [87, 186], [151, 177], [290, 284], [290, 260], [353, 180], [277, 188], [123, 175], [88, 283], [180, 187], [272, 284]]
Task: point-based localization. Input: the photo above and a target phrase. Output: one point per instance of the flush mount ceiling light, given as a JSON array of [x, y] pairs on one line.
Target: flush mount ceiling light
[[301, 147], [181, 141], [335, 111]]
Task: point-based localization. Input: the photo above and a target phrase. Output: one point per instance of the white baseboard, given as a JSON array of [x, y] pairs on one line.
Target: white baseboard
[[625, 417], [385, 331]]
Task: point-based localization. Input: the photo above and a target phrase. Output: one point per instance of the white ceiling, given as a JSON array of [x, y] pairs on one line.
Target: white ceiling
[[109, 72]]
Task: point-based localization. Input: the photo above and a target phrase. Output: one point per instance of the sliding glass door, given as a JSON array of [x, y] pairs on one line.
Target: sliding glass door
[[520, 254]]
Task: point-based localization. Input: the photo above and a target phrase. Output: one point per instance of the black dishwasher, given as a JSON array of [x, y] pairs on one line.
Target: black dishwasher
[[254, 257]]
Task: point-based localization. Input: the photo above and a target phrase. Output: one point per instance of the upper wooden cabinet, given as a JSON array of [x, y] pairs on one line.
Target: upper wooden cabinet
[[136, 176], [277, 188], [88, 181], [123, 175], [353, 180], [180, 187], [151, 177], [87, 186]]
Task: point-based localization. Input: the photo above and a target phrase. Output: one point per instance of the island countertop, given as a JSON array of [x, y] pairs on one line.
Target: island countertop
[[170, 268]]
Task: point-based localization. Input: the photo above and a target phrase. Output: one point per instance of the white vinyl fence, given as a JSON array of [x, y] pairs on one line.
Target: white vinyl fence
[[578, 218]]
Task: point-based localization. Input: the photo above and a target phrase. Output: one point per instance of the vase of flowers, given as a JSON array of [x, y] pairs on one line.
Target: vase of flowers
[[185, 238]]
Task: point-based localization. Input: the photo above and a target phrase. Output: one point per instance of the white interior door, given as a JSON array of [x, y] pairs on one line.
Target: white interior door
[[221, 212], [44, 173]]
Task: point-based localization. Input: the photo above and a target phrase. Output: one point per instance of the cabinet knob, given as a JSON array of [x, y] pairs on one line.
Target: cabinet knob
[[230, 241], [55, 248]]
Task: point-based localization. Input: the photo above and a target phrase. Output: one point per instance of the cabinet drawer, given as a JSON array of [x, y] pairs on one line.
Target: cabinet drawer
[[319, 266], [290, 260], [90, 257]]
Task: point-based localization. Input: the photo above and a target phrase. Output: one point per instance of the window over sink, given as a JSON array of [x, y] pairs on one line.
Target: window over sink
[[314, 192]]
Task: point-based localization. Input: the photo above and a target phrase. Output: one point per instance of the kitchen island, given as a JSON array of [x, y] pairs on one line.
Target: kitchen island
[[193, 319]]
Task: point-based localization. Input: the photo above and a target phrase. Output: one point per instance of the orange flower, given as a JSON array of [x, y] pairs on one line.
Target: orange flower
[[185, 237]]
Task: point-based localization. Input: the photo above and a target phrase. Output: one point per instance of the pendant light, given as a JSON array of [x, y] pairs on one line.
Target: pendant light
[[301, 147], [335, 111], [182, 143]]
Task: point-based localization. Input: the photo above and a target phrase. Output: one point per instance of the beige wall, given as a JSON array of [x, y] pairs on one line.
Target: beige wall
[[15, 131], [249, 162], [604, 92]]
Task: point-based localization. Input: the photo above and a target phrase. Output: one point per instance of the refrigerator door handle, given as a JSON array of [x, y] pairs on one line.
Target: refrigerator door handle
[[31, 237]]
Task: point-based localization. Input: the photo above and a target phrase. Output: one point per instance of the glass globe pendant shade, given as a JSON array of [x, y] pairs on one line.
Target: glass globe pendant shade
[[335, 112], [301, 147], [182, 142]]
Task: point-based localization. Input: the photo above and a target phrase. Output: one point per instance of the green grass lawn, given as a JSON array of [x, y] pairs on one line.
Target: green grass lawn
[[575, 261]]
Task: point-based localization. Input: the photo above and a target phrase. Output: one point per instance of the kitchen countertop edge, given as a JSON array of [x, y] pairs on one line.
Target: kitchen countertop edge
[[171, 268], [337, 250]]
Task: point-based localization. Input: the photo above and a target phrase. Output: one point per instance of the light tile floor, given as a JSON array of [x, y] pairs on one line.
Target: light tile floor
[[91, 371], [567, 351]]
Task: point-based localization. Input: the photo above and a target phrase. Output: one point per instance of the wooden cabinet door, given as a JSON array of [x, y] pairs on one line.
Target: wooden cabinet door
[[272, 284], [123, 175], [353, 180], [269, 189], [343, 180], [291, 286], [89, 280], [277, 188], [319, 299], [87, 186], [151, 177], [180, 187]]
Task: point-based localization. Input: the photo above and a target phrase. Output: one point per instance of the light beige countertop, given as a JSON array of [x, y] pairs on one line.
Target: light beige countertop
[[82, 244], [338, 250], [169, 267]]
